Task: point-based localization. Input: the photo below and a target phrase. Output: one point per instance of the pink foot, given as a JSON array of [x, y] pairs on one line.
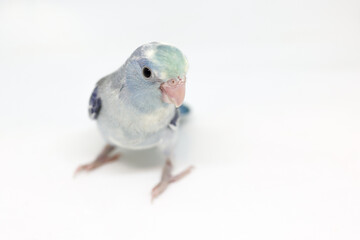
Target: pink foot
[[99, 161], [167, 178]]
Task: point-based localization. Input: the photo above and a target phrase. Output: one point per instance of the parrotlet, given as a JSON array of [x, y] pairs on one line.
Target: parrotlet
[[139, 106]]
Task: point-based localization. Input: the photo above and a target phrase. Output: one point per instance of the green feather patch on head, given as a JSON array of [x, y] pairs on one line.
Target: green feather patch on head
[[169, 60]]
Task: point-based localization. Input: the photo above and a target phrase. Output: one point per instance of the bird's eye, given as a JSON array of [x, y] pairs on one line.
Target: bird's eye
[[146, 72]]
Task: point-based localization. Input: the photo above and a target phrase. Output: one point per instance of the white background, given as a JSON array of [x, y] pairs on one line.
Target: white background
[[274, 132]]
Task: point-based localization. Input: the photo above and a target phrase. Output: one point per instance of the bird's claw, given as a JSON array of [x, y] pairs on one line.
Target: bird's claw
[[167, 178], [102, 159]]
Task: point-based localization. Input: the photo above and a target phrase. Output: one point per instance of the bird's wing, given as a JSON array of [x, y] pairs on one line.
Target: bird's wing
[[94, 104], [184, 110], [180, 112], [174, 121]]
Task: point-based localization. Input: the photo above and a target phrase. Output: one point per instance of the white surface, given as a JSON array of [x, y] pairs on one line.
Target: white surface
[[274, 88]]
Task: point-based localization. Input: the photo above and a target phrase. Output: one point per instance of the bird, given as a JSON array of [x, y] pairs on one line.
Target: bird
[[139, 106]]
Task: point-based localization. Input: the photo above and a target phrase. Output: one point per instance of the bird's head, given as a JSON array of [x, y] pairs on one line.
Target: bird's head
[[158, 70]]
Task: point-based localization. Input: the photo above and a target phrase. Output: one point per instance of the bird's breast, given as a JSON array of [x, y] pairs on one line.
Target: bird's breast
[[128, 127]]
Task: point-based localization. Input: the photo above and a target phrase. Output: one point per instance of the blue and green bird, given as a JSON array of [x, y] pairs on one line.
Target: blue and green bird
[[139, 106]]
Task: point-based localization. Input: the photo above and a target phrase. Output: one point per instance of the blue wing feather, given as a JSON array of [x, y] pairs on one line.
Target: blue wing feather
[[184, 110], [180, 112], [174, 120], [94, 104]]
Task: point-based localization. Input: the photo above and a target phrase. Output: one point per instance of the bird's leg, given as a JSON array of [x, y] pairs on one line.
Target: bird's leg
[[167, 178], [104, 157]]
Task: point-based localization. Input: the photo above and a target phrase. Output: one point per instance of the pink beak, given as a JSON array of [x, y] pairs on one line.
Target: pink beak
[[173, 91]]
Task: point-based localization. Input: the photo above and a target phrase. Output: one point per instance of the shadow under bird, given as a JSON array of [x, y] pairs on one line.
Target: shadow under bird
[[139, 106]]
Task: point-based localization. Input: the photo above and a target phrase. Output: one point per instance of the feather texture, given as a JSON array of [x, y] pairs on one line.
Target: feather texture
[[94, 104], [133, 114]]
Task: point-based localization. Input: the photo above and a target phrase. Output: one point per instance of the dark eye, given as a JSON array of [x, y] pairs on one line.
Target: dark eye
[[146, 72]]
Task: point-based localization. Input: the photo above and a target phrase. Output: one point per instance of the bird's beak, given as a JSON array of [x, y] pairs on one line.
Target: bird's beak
[[173, 91]]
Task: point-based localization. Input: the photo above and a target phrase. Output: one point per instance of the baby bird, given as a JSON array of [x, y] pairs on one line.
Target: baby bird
[[139, 105]]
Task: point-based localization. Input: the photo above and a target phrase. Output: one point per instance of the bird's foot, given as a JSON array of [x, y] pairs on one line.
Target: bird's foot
[[167, 178], [99, 161]]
